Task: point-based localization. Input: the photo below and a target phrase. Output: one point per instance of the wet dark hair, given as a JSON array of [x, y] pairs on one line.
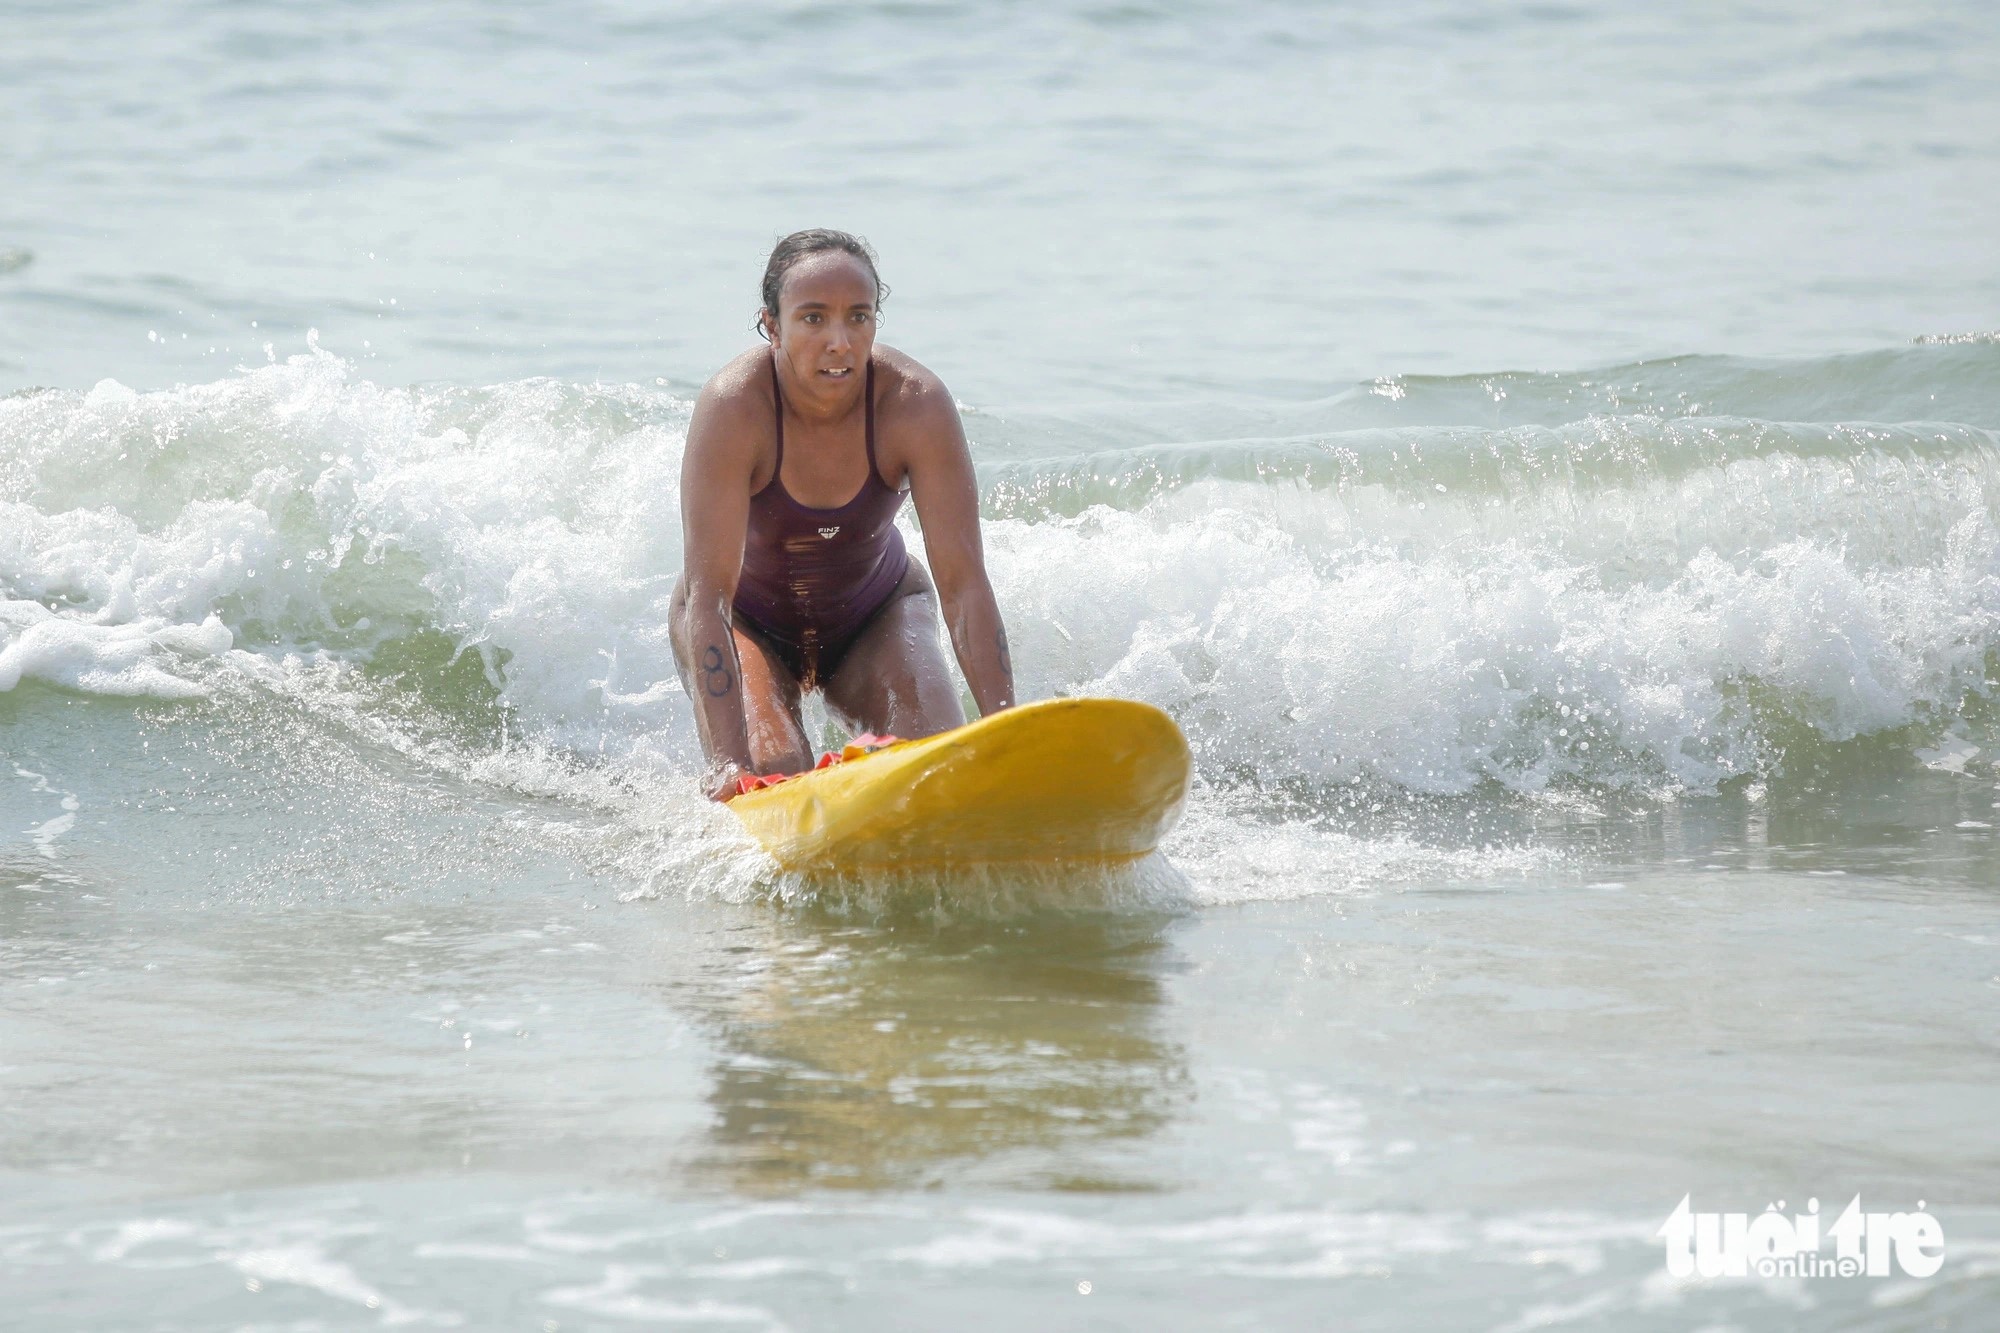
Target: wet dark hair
[[813, 241]]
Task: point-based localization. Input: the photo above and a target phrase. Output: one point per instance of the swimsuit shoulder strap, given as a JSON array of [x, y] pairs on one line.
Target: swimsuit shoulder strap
[[868, 423]]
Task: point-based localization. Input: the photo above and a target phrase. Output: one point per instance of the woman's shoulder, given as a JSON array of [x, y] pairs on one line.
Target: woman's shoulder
[[904, 384], [745, 382], [737, 401]]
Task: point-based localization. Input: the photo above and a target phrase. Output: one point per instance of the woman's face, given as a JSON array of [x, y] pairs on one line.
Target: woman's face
[[825, 328]]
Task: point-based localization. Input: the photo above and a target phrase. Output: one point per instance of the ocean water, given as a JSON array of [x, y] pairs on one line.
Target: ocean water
[[1546, 457]]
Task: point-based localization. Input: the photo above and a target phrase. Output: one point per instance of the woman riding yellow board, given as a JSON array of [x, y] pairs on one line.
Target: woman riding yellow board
[[794, 576]]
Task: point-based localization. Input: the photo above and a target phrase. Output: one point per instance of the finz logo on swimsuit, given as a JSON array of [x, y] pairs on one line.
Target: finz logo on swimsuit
[[830, 533], [1774, 1245]]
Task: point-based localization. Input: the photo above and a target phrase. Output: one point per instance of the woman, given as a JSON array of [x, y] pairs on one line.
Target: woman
[[795, 577]]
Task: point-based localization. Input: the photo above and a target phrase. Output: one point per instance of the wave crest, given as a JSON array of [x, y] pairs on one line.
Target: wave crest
[[1631, 602]]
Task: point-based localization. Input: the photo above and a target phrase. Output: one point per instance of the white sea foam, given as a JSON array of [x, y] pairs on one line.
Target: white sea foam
[[119, 659], [1231, 851], [1499, 661]]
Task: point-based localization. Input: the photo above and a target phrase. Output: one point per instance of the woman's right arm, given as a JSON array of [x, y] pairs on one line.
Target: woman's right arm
[[715, 512]]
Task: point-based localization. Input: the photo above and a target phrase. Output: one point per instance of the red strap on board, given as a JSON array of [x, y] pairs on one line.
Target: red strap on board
[[865, 744]]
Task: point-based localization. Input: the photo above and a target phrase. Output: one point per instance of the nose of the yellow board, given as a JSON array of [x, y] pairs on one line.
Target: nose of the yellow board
[[1088, 780]]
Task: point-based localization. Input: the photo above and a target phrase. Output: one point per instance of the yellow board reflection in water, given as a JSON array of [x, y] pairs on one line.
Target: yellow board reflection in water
[[1020, 1053]]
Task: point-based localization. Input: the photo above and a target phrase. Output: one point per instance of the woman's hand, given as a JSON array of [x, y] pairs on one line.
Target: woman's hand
[[720, 782]]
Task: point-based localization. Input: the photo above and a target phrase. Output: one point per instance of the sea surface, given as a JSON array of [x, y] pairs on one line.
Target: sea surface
[[1546, 456]]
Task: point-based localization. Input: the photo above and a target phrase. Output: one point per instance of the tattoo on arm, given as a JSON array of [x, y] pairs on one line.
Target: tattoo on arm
[[716, 677], [1006, 658]]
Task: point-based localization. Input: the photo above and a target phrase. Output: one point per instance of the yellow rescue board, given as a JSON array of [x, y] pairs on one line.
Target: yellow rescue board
[[1088, 780]]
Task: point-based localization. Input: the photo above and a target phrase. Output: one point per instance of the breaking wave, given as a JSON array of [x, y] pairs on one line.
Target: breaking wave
[[1650, 580]]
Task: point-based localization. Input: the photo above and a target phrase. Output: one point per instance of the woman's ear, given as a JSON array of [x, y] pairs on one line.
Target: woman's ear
[[767, 328]]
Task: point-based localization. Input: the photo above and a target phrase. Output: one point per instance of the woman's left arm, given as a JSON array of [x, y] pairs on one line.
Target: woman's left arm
[[947, 499]]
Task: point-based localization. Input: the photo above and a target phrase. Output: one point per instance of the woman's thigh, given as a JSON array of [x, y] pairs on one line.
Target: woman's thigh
[[896, 678], [771, 707]]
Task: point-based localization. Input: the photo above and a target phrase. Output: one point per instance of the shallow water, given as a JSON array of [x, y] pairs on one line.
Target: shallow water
[[1595, 795]]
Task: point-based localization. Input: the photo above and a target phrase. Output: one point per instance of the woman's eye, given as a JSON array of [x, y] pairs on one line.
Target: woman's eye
[[812, 319]]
